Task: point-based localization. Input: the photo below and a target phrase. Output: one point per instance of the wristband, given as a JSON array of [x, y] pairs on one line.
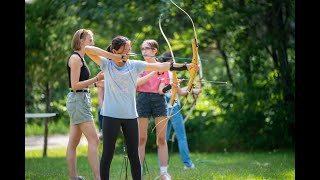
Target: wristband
[[184, 67], [167, 88], [95, 84], [97, 78]]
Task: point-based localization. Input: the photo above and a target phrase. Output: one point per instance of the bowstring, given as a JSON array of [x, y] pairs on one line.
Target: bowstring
[[173, 59]]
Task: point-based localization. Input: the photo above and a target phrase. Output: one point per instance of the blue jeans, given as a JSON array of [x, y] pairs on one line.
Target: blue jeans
[[177, 122]]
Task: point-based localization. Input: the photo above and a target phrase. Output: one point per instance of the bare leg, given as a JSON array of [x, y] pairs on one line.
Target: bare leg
[[89, 130], [143, 136], [161, 140], [74, 139]]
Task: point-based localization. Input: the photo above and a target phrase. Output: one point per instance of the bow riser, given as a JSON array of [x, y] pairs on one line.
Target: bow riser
[[195, 60], [174, 90]]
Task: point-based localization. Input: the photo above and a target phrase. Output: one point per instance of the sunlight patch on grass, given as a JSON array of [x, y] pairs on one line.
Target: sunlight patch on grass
[[290, 174]]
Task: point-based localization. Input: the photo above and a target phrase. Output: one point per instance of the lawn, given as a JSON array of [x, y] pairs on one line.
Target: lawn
[[236, 165]]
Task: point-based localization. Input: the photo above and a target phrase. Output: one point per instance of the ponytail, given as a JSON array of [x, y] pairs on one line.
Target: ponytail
[[109, 48]]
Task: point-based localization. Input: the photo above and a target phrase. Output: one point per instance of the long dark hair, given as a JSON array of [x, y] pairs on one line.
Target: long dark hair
[[117, 42]]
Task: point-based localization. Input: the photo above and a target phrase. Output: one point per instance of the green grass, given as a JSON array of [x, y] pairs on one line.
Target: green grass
[[37, 128], [279, 165]]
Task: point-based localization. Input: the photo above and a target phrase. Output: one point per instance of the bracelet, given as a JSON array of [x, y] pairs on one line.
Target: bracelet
[[97, 78], [95, 84]]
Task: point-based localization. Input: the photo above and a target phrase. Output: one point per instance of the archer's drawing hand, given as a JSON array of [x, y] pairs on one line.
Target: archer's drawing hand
[[123, 57]]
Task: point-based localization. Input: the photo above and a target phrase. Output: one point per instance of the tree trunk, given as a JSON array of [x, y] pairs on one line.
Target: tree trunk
[[281, 13], [46, 124], [225, 58]]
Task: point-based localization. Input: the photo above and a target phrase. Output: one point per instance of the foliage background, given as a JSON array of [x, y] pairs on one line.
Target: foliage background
[[249, 44]]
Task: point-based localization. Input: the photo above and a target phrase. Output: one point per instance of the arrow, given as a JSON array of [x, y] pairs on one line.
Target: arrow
[[210, 81], [178, 58]]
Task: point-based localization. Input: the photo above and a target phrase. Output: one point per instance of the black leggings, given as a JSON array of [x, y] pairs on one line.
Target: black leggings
[[110, 130]]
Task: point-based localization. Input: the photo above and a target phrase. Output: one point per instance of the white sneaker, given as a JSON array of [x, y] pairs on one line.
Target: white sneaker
[[165, 176], [191, 167]]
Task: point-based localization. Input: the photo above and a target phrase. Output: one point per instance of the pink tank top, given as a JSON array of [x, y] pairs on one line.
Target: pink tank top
[[152, 85]]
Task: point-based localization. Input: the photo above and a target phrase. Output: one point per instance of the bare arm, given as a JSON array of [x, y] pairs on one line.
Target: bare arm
[[100, 95], [96, 53], [157, 67], [181, 91], [144, 79], [161, 67], [91, 86], [75, 65]]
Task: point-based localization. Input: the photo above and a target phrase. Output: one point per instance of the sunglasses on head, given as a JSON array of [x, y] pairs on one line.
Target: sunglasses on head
[[83, 31]]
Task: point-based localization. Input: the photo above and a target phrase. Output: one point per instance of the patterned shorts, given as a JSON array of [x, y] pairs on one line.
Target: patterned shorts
[[151, 104]]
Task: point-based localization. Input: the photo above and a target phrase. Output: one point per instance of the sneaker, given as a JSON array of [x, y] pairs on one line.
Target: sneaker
[[165, 176], [191, 167], [77, 178]]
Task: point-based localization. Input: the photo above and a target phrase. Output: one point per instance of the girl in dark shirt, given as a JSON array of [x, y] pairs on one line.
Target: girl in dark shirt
[[79, 105]]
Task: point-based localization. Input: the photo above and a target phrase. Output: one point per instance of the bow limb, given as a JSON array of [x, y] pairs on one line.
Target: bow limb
[[174, 81], [195, 60], [194, 97], [174, 74], [195, 55]]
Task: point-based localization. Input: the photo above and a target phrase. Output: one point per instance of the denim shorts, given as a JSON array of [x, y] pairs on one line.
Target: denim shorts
[[151, 104], [79, 107]]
